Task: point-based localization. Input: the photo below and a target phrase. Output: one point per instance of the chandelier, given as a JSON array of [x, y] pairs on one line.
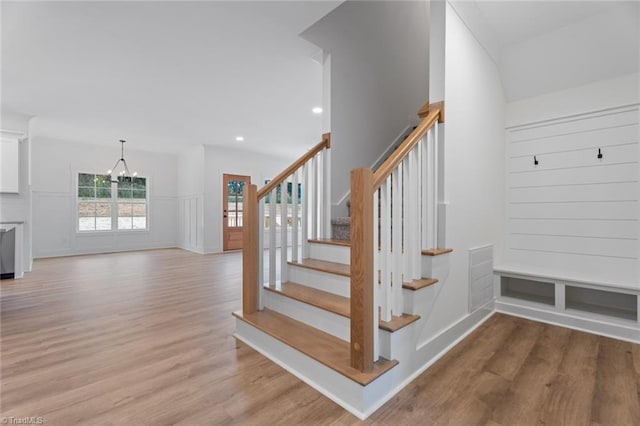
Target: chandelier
[[123, 175]]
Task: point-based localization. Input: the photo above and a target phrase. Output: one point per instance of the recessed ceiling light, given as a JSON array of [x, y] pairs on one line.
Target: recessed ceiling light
[[239, 138], [317, 110]]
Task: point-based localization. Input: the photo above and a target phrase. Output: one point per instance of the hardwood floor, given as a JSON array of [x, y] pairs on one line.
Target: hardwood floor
[[145, 338]]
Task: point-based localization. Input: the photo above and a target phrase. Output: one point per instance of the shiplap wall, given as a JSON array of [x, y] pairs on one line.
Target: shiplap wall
[[575, 214]]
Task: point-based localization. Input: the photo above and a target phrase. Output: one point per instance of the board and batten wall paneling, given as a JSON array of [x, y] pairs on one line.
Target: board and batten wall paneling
[[573, 213], [190, 223]]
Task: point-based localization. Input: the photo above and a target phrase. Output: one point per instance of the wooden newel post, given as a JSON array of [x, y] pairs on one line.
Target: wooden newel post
[[250, 250], [362, 269]]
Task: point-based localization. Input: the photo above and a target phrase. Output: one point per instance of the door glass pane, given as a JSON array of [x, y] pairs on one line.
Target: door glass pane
[[231, 219], [239, 200]]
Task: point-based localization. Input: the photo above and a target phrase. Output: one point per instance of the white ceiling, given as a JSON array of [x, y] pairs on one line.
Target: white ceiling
[[165, 75]]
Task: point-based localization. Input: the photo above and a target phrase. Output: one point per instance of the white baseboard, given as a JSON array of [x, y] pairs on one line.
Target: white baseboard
[[628, 333], [101, 250], [197, 250]]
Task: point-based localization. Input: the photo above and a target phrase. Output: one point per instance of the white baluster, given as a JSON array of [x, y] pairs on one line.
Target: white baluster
[[430, 195], [284, 220], [294, 217], [326, 200], [396, 284], [424, 173], [272, 238], [385, 249], [376, 272], [436, 187], [305, 210], [414, 206], [313, 205], [261, 218], [406, 230]]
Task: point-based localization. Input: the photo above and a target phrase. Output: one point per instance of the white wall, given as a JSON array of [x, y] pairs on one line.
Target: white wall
[[602, 94], [474, 163], [55, 167], [17, 207], [573, 215], [601, 47], [379, 69], [218, 161]]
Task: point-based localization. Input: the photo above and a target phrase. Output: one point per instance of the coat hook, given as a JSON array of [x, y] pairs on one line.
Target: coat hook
[[599, 154], [535, 161]]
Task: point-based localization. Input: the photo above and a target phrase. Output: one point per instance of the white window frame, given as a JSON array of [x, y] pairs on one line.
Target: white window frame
[[114, 208]]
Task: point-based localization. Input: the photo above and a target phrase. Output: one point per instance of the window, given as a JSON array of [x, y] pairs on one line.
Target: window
[[94, 202], [132, 203], [103, 204]]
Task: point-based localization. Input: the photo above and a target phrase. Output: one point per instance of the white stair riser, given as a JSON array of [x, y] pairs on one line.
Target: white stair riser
[[325, 281], [436, 266], [326, 321], [330, 252], [419, 301]]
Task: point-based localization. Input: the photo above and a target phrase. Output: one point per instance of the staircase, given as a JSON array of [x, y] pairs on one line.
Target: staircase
[[347, 316], [305, 327]]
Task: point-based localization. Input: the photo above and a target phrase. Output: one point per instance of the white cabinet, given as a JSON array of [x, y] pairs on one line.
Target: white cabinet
[[9, 165]]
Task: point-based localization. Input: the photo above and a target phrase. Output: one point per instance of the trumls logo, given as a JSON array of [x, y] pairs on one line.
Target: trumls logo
[[33, 420]]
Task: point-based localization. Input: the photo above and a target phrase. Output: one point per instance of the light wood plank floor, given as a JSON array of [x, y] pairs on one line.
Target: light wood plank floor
[[145, 338]]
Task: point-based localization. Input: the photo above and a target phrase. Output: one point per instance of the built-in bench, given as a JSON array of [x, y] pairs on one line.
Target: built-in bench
[[601, 308]]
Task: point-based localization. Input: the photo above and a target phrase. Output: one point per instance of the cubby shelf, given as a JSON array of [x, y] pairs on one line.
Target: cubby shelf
[[602, 302], [602, 309], [532, 291]]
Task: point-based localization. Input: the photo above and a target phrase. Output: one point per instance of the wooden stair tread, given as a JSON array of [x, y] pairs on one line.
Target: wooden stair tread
[[324, 266], [339, 305], [397, 323], [418, 284], [330, 241], [436, 251], [311, 296], [322, 347]]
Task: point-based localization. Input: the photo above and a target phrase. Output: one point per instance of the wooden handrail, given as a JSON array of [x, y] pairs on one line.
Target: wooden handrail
[[405, 148], [326, 143]]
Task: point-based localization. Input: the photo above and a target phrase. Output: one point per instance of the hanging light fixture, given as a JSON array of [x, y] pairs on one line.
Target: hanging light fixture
[[123, 175]]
